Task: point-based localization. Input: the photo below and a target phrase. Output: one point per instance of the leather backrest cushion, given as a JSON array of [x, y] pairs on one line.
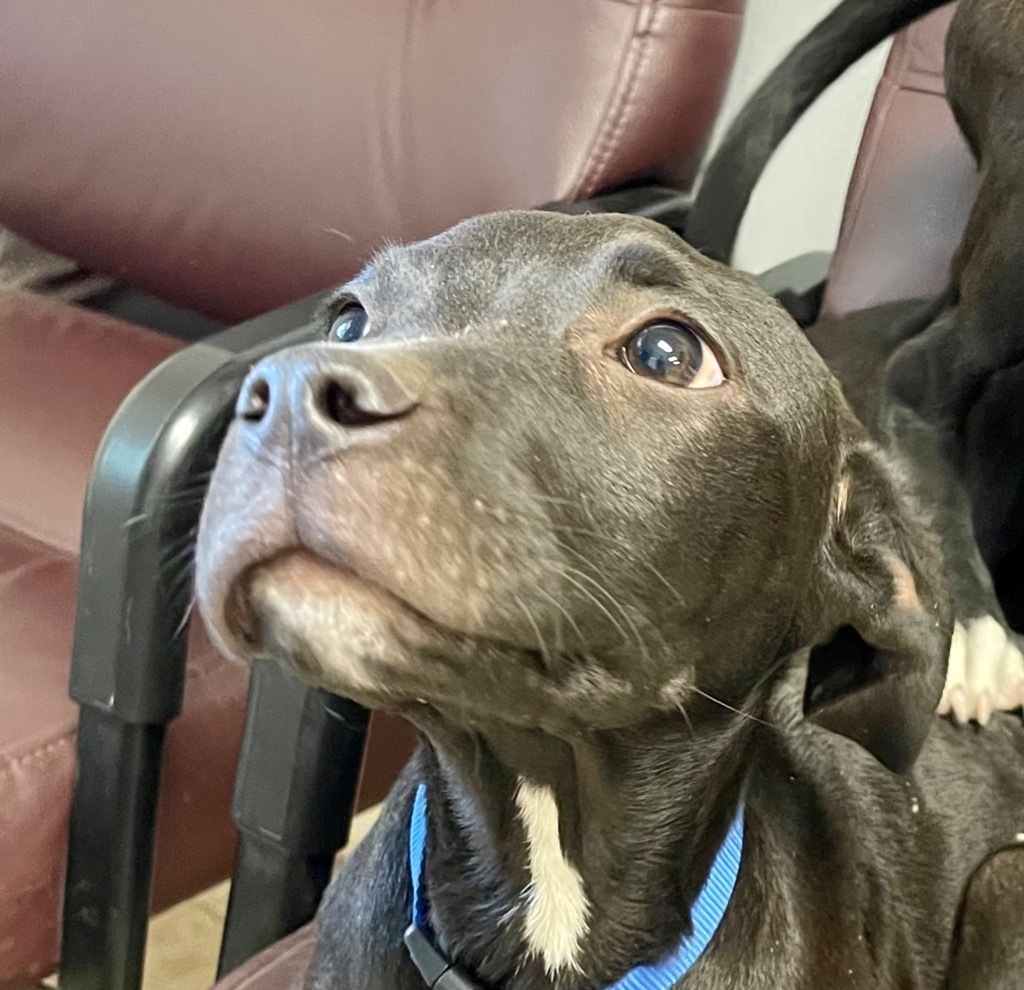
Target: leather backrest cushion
[[913, 184], [231, 155]]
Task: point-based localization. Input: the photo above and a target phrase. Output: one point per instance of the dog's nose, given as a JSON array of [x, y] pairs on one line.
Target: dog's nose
[[314, 400]]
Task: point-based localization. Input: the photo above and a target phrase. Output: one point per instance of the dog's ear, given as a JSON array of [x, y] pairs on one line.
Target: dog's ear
[[882, 599]]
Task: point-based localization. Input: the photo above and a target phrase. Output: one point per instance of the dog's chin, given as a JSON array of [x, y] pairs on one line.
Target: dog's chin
[[336, 630], [354, 638]]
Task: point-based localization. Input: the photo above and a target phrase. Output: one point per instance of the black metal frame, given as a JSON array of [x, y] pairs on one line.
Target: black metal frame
[[302, 750], [294, 799]]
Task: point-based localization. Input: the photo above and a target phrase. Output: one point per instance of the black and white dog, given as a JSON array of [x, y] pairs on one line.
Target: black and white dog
[[591, 512]]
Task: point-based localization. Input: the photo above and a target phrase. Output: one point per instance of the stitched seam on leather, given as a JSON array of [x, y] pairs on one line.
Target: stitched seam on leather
[[683, 5], [9, 766], [21, 528], [922, 89], [613, 122]]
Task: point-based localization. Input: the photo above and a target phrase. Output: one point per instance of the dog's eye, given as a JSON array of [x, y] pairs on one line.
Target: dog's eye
[[673, 353], [350, 324]]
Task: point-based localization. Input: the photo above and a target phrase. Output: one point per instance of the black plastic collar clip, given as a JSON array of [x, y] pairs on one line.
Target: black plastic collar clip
[[437, 972]]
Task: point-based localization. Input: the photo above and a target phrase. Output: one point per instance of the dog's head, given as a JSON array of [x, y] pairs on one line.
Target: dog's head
[[562, 472]]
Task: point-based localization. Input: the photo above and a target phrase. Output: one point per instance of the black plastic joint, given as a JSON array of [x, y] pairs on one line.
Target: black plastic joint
[[299, 768]]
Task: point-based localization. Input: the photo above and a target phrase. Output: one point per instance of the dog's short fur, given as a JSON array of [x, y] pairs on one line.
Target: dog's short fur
[[615, 608]]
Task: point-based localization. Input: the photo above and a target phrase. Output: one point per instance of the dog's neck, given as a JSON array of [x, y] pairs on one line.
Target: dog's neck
[[555, 863]]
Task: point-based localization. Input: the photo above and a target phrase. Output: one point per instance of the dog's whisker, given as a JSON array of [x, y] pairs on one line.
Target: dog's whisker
[[642, 646], [185, 616], [186, 539], [178, 556], [544, 652], [177, 580], [618, 543], [686, 718], [178, 570], [668, 585], [196, 483], [636, 636], [339, 717], [334, 232], [731, 708], [193, 492], [614, 601], [589, 594], [562, 609], [651, 630], [175, 501], [190, 497], [183, 578], [614, 541]]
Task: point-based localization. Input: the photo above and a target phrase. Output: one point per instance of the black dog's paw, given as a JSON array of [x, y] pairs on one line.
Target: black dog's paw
[[985, 673]]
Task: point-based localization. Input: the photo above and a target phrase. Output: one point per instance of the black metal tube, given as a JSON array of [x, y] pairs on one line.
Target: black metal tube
[[295, 796], [110, 855]]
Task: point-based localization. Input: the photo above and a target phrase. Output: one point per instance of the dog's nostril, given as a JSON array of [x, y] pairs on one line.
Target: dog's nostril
[[255, 402], [339, 404]]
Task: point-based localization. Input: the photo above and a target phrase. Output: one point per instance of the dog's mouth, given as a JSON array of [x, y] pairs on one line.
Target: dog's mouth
[[298, 588], [342, 631]]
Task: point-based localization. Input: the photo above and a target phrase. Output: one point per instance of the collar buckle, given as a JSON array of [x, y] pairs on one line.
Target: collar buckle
[[437, 972]]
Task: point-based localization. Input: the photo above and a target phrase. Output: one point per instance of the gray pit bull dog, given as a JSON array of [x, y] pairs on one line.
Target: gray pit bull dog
[[591, 512]]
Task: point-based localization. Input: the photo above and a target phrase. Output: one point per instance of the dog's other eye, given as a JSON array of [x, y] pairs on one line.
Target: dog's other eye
[[349, 325], [673, 353]]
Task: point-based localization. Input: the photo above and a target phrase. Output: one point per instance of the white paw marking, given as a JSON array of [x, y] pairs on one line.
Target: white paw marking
[[557, 909], [985, 673]]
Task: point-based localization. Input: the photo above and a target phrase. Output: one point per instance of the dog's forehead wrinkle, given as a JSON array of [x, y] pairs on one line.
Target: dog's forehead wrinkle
[[643, 264], [529, 267]]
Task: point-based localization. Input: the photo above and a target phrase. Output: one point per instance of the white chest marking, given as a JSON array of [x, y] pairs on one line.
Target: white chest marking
[[557, 909]]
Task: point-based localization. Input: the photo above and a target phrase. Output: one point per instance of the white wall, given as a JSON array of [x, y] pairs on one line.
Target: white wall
[[798, 205]]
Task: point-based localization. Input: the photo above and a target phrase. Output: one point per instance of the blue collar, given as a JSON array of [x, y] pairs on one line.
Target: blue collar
[[440, 973]]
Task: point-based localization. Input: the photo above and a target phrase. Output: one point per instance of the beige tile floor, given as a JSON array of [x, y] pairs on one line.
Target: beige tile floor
[[181, 953]]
